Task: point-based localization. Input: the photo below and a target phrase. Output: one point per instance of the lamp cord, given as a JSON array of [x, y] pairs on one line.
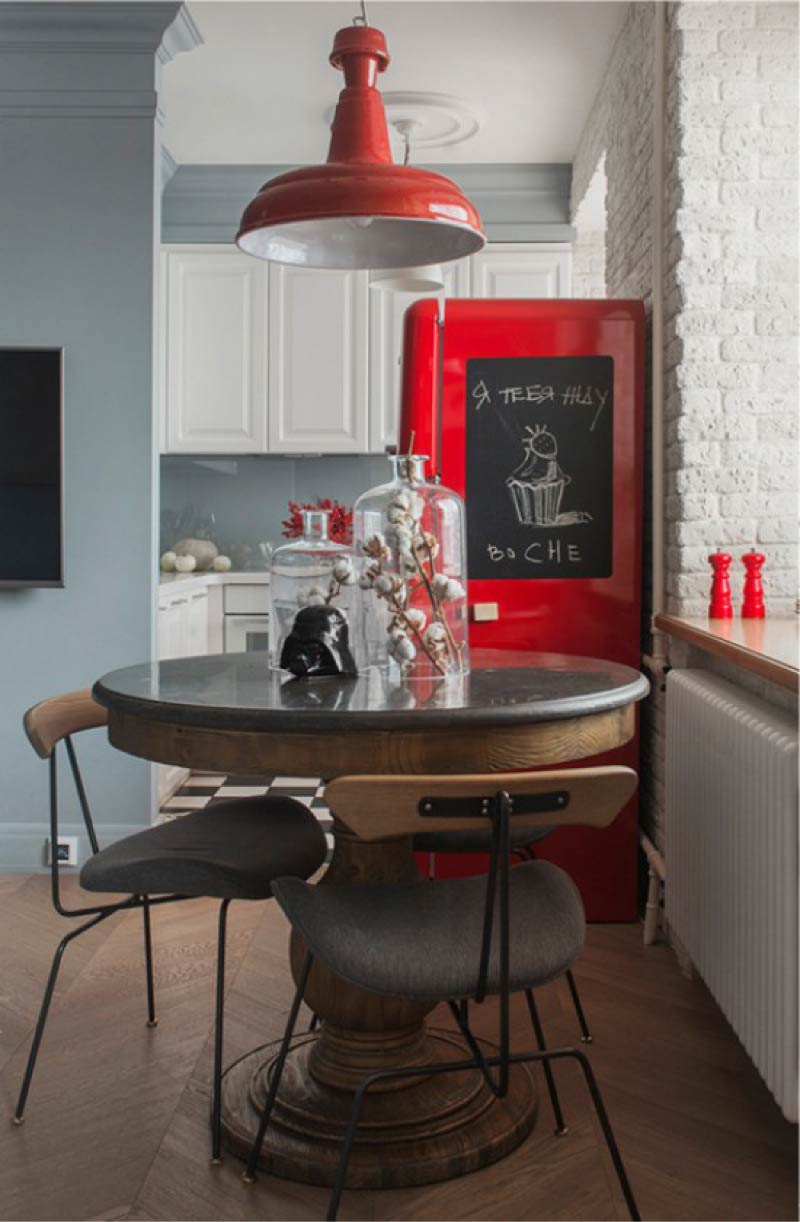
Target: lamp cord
[[363, 19]]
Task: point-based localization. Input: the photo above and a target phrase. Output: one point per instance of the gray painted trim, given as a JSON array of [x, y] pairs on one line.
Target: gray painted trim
[[22, 845], [77, 103], [522, 203], [104, 27]]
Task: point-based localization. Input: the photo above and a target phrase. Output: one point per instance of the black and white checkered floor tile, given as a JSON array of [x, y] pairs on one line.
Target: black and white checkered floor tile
[[202, 790]]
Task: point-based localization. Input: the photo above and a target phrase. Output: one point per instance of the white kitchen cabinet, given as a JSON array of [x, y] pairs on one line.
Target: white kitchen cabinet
[[318, 361], [522, 269], [386, 313], [216, 351], [182, 633]]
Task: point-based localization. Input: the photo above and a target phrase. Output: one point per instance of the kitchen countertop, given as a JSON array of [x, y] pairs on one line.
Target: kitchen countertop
[[767, 647], [212, 578]]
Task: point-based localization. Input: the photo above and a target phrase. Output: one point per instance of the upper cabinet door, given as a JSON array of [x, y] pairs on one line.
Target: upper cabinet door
[[216, 351], [387, 311], [515, 269], [318, 353]]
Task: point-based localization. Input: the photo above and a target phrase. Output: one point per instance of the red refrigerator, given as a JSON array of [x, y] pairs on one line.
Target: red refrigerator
[[533, 411]]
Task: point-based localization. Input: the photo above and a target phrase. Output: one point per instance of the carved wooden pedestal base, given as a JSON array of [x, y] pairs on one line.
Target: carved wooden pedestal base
[[433, 1129], [412, 1131]]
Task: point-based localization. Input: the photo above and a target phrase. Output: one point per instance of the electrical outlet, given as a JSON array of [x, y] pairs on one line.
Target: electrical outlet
[[67, 851]]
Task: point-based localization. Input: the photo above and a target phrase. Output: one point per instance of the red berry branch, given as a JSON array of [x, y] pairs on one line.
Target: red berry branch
[[340, 522]]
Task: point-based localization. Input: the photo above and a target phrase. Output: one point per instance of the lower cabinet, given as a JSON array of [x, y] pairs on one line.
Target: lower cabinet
[[182, 633]]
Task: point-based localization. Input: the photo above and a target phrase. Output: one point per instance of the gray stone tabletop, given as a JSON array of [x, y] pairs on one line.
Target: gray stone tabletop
[[242, 692]]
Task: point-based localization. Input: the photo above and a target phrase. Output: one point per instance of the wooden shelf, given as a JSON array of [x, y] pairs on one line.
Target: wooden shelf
[[767, 647]]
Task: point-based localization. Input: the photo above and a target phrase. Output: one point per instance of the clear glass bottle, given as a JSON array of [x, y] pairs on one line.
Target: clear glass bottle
[[410, 545], [312, 571]]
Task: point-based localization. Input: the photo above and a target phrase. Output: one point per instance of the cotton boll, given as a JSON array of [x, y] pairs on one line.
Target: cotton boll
[[396, 514], [315, 600], [383, 584], [343, 571], [365, 582], [435, 633], [375, 545], [416, 618], [404, 650]]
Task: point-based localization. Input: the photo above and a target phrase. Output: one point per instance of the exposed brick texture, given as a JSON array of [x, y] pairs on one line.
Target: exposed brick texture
[[589, 264], [731, 291]]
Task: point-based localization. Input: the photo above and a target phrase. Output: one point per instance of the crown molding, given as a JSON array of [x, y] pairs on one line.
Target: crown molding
[[182, 35], [517, 203], [99, 26]]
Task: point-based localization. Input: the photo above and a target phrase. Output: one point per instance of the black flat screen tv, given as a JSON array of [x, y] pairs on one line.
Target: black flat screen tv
[[31, 467]]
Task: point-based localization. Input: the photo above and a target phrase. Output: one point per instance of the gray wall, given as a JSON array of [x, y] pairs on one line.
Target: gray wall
[[78, 227]]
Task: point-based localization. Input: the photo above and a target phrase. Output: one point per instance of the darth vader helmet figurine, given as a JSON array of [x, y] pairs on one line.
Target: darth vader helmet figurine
[[319, 644]]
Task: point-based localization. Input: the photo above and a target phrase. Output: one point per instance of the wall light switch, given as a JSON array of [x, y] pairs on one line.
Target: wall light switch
[[67, 851], [484, 613]]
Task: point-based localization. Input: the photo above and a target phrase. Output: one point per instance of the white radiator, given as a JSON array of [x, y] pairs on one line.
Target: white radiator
[[731, 851]]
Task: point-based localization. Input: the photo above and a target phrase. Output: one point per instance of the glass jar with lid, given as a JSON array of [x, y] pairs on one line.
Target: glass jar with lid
[[410, 545], [312, 571]]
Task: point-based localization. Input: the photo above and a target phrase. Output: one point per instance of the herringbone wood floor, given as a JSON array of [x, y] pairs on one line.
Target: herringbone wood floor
[[117, 1119]]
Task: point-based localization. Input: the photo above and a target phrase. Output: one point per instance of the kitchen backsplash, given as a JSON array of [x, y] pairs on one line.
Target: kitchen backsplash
[[248, 496]]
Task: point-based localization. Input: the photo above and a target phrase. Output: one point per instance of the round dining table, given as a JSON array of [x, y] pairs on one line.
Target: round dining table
[[233, 713]]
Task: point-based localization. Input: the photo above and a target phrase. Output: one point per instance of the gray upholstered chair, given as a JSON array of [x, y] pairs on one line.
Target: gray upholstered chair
[[522, 844], [231, 851], [512, 930]]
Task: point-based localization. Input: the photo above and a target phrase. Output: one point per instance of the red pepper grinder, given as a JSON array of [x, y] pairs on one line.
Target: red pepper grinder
[[753, 600], [720, 606]]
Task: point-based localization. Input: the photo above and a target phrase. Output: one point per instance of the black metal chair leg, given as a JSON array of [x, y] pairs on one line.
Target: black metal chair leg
[[347, 1146], [586, 1037], [608, 1133], [152, 1021], [249, 1174], [216, 1096], [19, 1113], [536, 1022]]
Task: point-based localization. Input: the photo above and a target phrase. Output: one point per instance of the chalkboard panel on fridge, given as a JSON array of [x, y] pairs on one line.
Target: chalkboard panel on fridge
[[539, 466]]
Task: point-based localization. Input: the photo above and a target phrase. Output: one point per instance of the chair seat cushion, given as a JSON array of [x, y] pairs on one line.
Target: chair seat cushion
[[478, 840], [423, 942], [231, 850]]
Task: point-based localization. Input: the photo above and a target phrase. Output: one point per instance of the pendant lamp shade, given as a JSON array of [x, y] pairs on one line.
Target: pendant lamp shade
[[428, 279], [360, 210]]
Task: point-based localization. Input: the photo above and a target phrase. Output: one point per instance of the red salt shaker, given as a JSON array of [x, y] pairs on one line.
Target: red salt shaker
[[720, 606], [753, 598]]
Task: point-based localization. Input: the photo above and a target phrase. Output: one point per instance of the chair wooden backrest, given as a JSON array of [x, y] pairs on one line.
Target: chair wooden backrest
[[375, 807], [57, 717]]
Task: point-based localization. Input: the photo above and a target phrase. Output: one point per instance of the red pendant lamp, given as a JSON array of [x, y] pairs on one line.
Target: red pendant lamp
[[360, 210]]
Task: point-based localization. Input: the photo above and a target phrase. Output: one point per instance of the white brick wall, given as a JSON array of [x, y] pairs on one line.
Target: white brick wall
[[731, 236], [731, 406], [589, 264]]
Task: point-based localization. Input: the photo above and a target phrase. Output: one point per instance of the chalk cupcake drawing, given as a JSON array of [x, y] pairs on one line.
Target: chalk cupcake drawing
[[537, 484]]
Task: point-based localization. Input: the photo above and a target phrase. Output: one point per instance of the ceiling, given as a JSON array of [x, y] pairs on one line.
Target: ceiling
[[258, 89]]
